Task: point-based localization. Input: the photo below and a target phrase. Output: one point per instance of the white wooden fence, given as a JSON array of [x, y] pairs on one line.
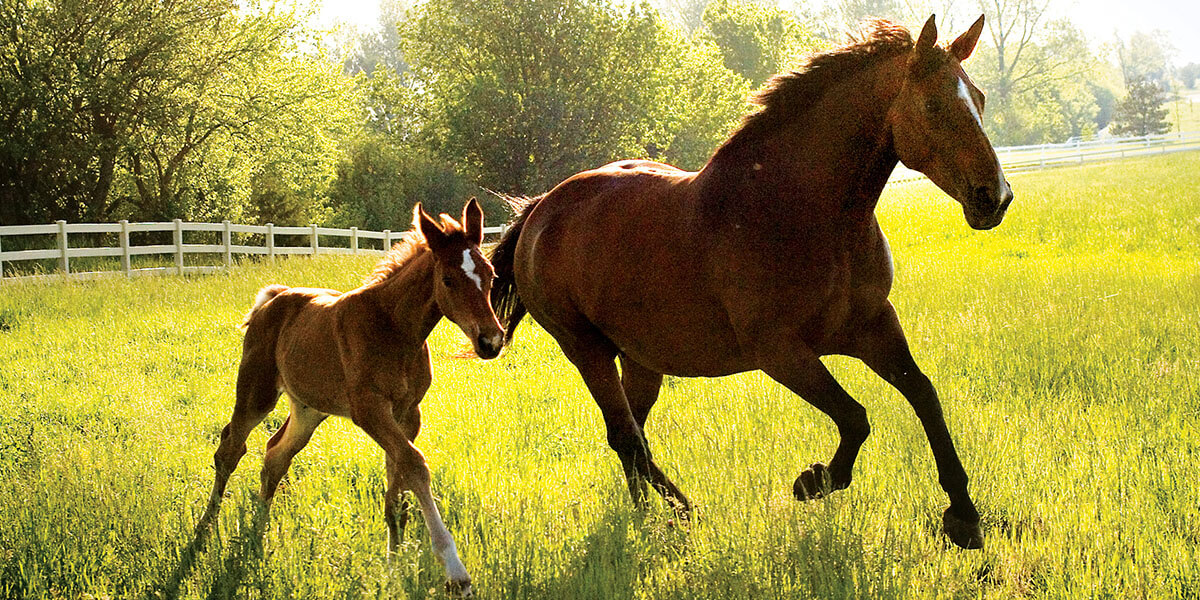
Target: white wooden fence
[[1015, 159], [226, 249]]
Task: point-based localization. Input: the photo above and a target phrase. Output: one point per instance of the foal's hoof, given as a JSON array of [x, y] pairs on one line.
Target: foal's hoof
[[459, 589], [815, 482], [966, 535]]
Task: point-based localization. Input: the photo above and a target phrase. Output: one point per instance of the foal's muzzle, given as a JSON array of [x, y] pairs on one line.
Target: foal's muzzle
[[489, 345]]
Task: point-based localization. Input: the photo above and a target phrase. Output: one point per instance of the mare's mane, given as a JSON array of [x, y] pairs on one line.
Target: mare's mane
[[788, 95]]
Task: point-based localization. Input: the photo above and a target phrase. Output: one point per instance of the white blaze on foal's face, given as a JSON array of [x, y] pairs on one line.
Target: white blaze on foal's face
[[468, 267]]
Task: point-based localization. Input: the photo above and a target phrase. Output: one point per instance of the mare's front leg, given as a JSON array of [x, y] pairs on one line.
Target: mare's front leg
[[883, 348], [801, 371]]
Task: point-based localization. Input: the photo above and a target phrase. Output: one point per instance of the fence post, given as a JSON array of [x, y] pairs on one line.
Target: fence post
[[354, 240], [316, 245], [387, 240], [179, 246], [1, 259], [227, 240], [126, 266], [271, 242], [64, 259]]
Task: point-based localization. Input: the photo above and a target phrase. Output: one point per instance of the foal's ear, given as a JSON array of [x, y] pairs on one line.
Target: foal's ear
[[928, 35], [435, 238], [472, 221], [962, 47]]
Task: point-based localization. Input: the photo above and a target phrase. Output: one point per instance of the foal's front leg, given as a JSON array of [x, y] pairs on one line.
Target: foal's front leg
[[407, 471]]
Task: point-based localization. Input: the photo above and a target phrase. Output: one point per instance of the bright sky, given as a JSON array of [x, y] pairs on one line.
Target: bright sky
[[1098, 18]]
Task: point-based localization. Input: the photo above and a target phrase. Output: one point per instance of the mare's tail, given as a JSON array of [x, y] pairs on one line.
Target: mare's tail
[[505, 299], [264, 296]]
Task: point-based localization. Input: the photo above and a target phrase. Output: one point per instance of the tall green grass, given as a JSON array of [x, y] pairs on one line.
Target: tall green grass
[[1065, 345]]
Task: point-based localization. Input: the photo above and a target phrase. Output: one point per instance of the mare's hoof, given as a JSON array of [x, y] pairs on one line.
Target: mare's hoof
[[966, 535], [815, 482], [459, 589]]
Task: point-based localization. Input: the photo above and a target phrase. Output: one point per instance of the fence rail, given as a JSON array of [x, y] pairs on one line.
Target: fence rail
[[1016, 159], [63, 252]]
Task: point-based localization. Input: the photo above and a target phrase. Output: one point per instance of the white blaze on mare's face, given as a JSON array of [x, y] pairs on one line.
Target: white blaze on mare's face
[[965, 94], [468, 267]]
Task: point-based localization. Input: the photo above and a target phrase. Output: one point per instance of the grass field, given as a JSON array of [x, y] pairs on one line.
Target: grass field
[[1065, 345]]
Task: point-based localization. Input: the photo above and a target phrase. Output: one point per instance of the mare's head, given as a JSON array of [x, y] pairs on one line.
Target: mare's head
[[462, 276], [937, 126]]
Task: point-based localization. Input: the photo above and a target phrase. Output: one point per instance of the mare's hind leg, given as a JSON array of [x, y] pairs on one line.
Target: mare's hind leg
[[256, 397], [803, 373], [593, 356], [641, 387], [883, 348], [286, 443]]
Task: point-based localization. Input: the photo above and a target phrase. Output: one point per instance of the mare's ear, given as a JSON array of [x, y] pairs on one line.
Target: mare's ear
[[472, 220], [928, 35], [965, 44], [922, 59], [435, 238]]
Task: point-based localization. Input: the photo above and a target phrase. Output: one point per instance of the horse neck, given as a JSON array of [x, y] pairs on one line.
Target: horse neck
[[406, 296], [830, 163]]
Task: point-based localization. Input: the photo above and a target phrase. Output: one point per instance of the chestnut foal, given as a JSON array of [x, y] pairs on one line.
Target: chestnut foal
[[363, 355]]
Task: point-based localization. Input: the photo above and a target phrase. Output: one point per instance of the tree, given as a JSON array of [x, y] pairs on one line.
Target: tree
[[1035, 75], [525, 94], [154, 110], [1188, 74], [1142, 111], [755, 41], [378, 183], [1147, 56]]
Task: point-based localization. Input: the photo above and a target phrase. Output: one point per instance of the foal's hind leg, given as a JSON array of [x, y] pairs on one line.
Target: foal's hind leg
[[803, 373], [286, 443], [256, 397], [883, 348]]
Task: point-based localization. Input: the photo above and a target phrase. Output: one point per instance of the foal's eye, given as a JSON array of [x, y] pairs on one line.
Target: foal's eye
[[447, 281]]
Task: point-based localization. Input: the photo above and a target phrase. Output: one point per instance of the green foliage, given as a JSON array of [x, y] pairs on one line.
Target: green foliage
[[756, 41], [1142, 112], [524, 95], [378, 183], [1063, 344], [1188, 74], [1037, 85], [154, 110]]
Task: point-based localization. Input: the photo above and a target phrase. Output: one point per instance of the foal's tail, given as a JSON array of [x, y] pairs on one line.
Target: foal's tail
[[264, 296], [505, 299]]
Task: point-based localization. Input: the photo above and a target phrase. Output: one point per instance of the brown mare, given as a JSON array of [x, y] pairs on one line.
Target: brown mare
[[767, 258], [363, 355]]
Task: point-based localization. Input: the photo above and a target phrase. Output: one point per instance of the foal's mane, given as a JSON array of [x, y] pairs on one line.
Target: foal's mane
[[788, 95], [397, 257]]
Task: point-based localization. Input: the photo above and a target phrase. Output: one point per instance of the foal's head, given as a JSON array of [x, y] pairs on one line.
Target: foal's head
[[938, 130], [462, 276]]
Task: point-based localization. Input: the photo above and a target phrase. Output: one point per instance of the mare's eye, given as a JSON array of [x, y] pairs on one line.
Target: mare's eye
[[447, 281]]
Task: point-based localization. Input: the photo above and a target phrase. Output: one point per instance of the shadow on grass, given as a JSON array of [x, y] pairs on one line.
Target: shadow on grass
[[243, 552]]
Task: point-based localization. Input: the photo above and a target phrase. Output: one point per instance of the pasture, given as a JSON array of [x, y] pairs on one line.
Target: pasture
[[1065, 345]]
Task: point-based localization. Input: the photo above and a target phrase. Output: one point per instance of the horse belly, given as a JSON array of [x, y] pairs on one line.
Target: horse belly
[[310, 369]]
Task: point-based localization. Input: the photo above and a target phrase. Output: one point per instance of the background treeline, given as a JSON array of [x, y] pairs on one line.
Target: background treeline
[[215, 109]]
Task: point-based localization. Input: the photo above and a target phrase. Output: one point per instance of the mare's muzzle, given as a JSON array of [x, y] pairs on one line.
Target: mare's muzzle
[[987, 204]]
